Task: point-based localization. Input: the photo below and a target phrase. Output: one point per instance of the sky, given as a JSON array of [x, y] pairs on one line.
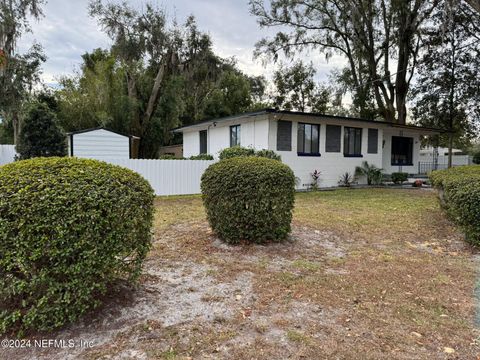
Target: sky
[[66, 32]]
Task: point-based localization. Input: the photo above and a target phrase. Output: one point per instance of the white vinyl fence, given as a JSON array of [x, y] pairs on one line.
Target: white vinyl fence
[[7, 154], [168, 177]]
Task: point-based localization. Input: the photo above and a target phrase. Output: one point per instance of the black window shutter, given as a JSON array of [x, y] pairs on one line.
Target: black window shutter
[[203, 142], [284, 135], [333, 138], [372, 141]]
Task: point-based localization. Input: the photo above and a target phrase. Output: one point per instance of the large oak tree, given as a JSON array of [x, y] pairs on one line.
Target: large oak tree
[[447, 89], [380, 39]]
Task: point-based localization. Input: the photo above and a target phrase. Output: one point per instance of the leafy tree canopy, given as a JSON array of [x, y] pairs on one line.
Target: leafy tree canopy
[[296, 89], [18, 72], [380, 40], [447, 90], [40, 134], [155, 77]]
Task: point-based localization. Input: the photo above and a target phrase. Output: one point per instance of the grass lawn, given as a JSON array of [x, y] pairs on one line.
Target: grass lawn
[[368, 274]]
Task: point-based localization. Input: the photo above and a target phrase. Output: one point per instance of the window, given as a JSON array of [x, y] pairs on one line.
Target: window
[[402, 150], [203, 142], [308, 144], [284, 135], [352, 142], [235, 135], [333, 140], [372, 141]]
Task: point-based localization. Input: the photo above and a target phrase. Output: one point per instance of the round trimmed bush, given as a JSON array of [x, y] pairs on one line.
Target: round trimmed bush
[[249, 199], [68, 228]]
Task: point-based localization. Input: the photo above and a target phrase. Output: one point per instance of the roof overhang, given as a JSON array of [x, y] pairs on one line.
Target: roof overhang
[[213, 122]]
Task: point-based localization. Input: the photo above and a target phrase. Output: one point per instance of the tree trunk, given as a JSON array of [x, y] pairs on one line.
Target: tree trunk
[[133, 96], [450, 147], [401, 84], [154, 95], [16, 127], [452, 98], [475, 4]]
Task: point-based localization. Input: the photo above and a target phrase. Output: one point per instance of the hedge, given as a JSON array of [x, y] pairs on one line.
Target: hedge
[[68, 229], [459, 190], [249, 199], [237, 151], [201, 157]]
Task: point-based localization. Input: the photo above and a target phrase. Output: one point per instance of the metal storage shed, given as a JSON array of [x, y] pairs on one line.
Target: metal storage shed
[[101, 144]]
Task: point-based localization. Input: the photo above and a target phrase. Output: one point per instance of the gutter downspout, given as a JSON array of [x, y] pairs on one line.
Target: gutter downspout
[[208, 139], [71, 145]]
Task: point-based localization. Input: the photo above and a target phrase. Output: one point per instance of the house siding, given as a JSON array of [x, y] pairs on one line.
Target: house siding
[[331, 164], [253, 133]]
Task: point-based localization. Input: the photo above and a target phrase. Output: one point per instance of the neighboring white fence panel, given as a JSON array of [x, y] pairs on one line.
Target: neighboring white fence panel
[[7, 154], [457, 160], [168, 177]]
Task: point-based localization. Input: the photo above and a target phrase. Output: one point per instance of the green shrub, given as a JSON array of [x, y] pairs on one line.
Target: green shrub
[[440, 177], [370, 172], [269, 154], [40, 134], [68, 229], [170, 157], [460, 189], [249, 199], [476, 157], [235, 151], [346, 179], [201, 157], [399, 177]]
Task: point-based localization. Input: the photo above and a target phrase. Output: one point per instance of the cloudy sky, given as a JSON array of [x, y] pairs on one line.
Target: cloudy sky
[[66, 32]]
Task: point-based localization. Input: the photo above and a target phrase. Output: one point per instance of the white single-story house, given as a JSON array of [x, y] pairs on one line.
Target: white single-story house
[[101, 144], [307, 142]]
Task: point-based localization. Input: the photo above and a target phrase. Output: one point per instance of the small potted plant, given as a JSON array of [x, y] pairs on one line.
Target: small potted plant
[[418, 183]]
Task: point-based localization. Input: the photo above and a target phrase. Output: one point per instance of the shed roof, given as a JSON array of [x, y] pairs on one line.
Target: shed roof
[[101, 128]]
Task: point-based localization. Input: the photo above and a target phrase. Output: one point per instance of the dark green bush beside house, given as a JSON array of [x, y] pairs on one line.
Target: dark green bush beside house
[[201, 157], [237, 151], [399, 177], [476, 158], [459, 190], [68, 229], [269, 154], [249, 199]]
